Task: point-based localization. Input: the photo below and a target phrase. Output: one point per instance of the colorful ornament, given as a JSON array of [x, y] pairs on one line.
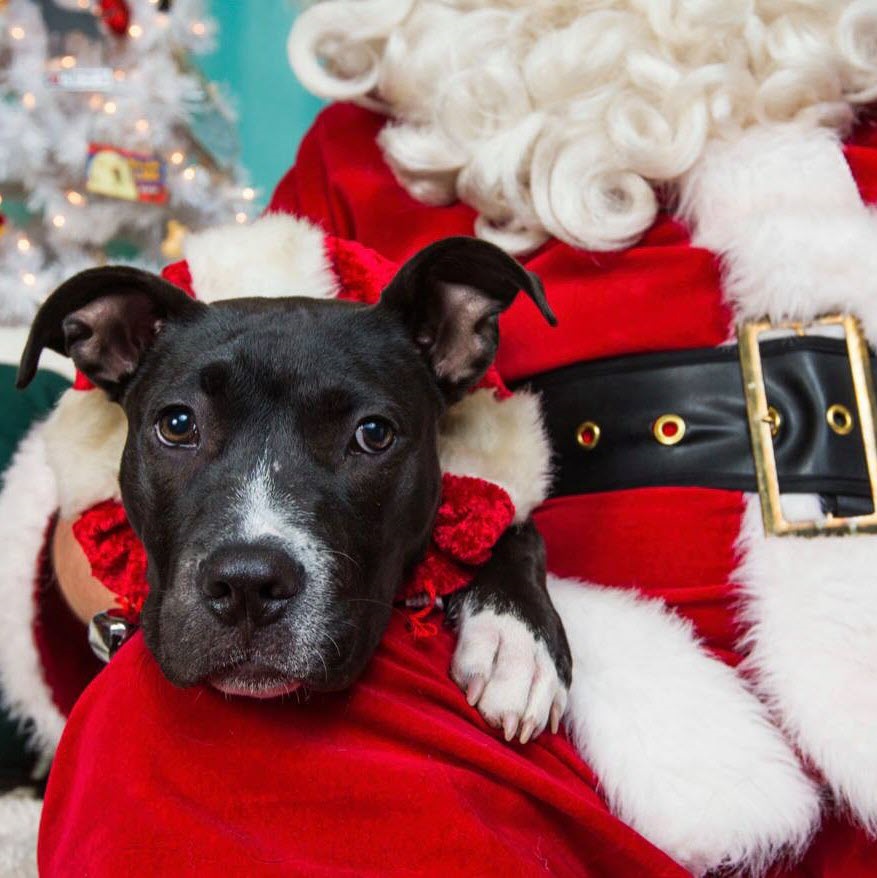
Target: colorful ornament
[[116, 15], [83, 79], [172, 245], [127, 175]]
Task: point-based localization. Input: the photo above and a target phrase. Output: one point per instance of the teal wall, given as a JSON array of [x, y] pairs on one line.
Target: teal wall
[[273, 110]]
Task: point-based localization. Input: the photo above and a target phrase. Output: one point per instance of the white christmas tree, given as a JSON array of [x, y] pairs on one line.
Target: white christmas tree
[[112, 144]]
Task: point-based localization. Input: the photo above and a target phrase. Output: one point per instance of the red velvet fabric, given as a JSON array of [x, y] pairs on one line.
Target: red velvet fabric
[[399, 775], [68, 665]]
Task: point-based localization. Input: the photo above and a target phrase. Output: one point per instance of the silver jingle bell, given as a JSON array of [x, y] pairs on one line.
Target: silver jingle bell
[[107, 632]]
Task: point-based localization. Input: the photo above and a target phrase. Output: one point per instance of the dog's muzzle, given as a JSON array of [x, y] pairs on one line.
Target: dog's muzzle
[[249, 585]]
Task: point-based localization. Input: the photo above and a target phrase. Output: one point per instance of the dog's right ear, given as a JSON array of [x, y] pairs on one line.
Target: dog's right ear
[[450, 296], [104, 319]]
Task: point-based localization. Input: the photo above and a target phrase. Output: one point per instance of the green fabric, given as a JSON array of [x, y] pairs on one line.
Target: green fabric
[[19, 410]]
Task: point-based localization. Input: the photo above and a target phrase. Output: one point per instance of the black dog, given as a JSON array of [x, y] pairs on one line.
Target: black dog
[[281, 470]]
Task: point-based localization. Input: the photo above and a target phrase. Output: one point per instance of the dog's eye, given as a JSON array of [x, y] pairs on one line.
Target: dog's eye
[[374, 435], [177, 426]]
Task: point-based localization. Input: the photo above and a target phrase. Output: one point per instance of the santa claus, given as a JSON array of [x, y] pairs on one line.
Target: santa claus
[[676, 175]]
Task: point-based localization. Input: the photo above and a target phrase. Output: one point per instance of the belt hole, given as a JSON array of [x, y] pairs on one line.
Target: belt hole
[[669, 429], [588, 435], [840, 419]]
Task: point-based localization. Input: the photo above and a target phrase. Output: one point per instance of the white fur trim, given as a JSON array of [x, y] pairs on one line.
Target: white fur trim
[[685, 754], [84, 437], [812, 607], [781, 208], [28, 499], [19, 825], [277, 255], [501, 441]]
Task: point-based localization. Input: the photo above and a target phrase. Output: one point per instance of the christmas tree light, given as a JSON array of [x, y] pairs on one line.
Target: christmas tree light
[[111, 141]]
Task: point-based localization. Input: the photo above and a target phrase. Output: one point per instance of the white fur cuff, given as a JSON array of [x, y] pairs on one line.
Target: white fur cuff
[[501, 441], [684, 753], [27, 502]]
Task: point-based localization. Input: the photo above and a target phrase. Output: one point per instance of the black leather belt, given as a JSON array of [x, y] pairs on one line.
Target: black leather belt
[[679, 418]]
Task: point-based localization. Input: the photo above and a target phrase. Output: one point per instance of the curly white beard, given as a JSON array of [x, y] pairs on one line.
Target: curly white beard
[[561, 117]]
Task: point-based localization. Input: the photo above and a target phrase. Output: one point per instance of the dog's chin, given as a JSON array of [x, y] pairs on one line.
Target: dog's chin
[[249, 680]]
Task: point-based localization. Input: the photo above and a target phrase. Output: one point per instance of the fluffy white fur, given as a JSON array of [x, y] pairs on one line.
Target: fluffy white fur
[[782, 209], [278, 255], [19, 824], [796, 241], [502, 441], [84, 437], [685, 754], [557, 117], [28, 497], [812, 608]]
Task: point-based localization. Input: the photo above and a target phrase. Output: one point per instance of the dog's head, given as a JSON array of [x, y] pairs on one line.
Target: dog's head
[[281, 465]]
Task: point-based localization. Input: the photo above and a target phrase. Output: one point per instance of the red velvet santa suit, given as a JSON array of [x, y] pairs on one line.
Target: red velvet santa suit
[[399, 775]]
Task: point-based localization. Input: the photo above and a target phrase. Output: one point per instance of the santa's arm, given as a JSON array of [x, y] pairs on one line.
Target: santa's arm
[[796, 238]]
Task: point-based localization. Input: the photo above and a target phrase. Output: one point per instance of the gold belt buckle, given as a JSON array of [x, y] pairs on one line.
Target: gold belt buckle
[[760, 422]]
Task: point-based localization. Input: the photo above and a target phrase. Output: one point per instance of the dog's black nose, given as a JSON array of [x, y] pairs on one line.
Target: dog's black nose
[[249, 583]]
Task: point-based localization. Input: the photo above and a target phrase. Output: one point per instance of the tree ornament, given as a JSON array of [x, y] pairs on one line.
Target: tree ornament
[[172, 245], [125, 174], [116, 15], [82, 79], [80, 103]]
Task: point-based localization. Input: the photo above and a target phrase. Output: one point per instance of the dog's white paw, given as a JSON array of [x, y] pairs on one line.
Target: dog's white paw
[[508, 673]]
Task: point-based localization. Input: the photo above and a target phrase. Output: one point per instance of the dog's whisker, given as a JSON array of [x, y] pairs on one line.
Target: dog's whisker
[[325, 666], [345, 555], [334, 643]]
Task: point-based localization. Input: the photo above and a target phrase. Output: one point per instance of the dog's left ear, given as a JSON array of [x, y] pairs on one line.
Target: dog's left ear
[[104, 319], [450, 296]]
